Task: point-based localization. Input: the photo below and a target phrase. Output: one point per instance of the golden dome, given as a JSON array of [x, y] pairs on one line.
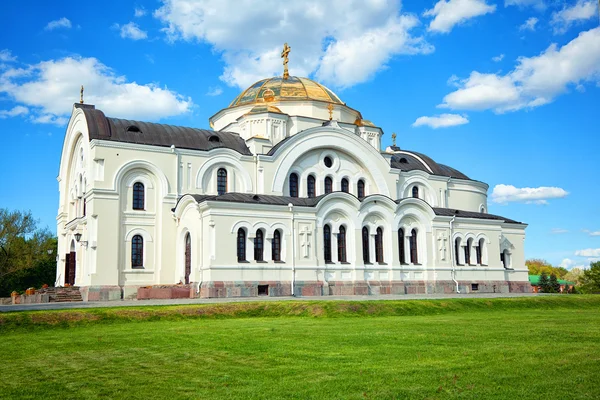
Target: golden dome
[[279, 89]]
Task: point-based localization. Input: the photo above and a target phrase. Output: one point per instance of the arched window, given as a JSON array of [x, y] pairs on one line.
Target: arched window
[[479, 252], [327, 243], [259, 246], [415, 192], [137, 252], [221, 181], [310, 186], [505, 258], [188, 258], [360, 189], [138, 196], [365, 245], [457, 251], [379, 246], [401, 246], [293, 185], [345, 186], [328, 185], [468, 251], [241, 245], [276, 246], [414, 253], [342, 245]]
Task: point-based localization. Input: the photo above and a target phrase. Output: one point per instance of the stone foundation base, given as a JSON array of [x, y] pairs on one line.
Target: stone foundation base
[[224, 289]]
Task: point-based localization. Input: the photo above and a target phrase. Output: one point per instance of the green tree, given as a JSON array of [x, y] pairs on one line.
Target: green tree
[[544, 283], [590, 280], [554, 284], [574, 275], [23, 246]]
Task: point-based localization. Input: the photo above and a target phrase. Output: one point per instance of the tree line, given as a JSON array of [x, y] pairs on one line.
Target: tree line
[[585, 280]]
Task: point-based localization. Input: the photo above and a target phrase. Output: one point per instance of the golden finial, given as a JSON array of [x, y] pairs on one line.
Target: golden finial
[[284, 55], [394, 139], [330, 108], [81, 95]]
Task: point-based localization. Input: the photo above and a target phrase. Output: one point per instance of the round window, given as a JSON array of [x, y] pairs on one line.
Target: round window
[[328, 162]]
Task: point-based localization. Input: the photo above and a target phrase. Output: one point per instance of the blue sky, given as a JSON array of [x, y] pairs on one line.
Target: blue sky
[[506, 92]]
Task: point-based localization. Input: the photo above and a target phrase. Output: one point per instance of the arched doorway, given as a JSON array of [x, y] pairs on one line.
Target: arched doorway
[[188, 257], [70, 265]]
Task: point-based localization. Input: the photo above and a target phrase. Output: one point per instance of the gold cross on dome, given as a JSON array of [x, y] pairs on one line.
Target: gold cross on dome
[[394, 139], [330, 108], [284, 54], [81, 95]]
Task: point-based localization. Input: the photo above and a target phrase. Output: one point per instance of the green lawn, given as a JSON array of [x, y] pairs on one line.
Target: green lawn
[[510, 349]]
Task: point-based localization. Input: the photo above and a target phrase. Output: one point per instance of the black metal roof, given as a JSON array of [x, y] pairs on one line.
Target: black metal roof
[[250, 198], [409, 161], [449, 212], [139, 132]]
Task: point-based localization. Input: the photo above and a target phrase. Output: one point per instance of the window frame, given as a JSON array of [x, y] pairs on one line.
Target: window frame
[[379, 246], [414, 249], [401, 246], [365, 245], [293, 185], [139, 196], [345, 185], [259, 246], [221, 181], [241, 245], [311, 186], [415, 192], [137, 252], [328, 185], [327, 244], [276, 246], [341, 245], [360, 188]]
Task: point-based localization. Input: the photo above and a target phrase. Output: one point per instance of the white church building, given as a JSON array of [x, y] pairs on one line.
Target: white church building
[[289, 194]]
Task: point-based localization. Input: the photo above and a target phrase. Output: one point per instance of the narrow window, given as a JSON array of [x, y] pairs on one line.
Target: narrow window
[[457, 251], [415, 192], [345, 186], [137, 252], [221, 181], [276, 246], [310, 186], [84, 205], [414, 258], [468, 252], [138, 196], [293, 185], [479, 253], [401, 246], [327, 243], [360, 189], [259, 246], [241, 245], [365, 245], [379, 246], [188, 258], [342, 245], [328, 185]]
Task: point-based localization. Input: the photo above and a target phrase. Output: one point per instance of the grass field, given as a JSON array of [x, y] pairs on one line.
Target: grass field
[[528, 348]]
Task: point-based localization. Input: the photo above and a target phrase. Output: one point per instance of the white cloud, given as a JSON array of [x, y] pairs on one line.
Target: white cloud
[[508, 193], [538, 4], [449, 13], [341, 51], [139, 12], [6, 56], [592, 233], [558, 231], [57, 24], [529, 25], [498, 58], [535, 81], [15, 111], [579, 12], [132, 31], [588, 253], [214, 91], [49, 89], [441, 121], [569, 264]]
